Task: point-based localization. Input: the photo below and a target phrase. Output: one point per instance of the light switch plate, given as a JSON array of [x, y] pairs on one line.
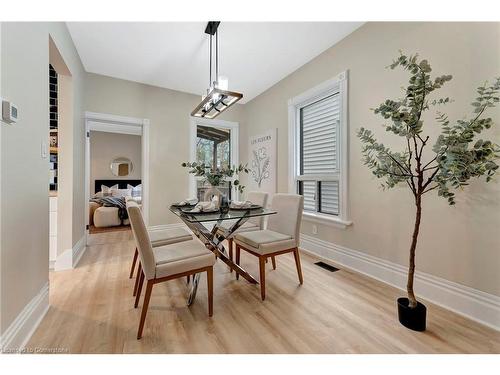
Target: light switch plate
[[44, 150]]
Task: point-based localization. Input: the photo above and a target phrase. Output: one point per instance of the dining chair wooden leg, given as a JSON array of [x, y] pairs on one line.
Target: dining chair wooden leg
[[273, 259], [136, 253], [210, 287], [139, 289], [297, 264], [188, 278], [237, 260], [262, 281], [139, 271], [230, 250], [147, 296]]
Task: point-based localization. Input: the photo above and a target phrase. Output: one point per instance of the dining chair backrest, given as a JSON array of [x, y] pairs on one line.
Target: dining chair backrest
[[288, 218], [142, 239], [259, 198]]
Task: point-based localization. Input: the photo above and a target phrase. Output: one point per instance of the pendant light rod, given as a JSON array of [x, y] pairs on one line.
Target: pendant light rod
[[217, 57], [210, 73], [211, 29]]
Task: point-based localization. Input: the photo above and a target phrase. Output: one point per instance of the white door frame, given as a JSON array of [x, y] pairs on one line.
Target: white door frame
[[234, 139], [123, 125]]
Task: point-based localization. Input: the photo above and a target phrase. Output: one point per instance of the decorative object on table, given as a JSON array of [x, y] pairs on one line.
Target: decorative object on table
[[186, 202], [218, 98], [262, 153], [217, 176], [224, 205], [243, 205], [455, 158], [204, 207]]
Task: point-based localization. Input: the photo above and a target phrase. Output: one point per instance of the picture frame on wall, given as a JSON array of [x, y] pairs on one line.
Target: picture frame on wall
[[262, 161]]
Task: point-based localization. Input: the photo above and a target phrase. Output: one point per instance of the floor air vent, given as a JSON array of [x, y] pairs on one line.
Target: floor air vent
[[326, 266]]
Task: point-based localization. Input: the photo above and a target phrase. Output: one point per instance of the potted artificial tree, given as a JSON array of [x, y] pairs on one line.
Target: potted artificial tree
[[456, 156]]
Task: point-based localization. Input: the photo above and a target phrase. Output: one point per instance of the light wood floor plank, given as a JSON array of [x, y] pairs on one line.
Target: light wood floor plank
[[342, 312]]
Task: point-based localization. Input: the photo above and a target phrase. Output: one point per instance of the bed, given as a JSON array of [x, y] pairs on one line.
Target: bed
[[101, 216]]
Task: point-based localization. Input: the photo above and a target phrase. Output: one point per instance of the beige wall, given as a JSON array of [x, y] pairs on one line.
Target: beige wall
[[105, 147], [458, 243], [168, 112], [24, 222]]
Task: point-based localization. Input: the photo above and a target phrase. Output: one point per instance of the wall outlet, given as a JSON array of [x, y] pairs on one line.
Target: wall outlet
[[315, 229]]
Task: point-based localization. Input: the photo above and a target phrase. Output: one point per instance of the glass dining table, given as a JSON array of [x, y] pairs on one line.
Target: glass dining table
[[212, 229]]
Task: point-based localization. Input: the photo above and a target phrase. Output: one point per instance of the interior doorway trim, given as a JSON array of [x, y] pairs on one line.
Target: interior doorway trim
[[123, 125], [234, 139]]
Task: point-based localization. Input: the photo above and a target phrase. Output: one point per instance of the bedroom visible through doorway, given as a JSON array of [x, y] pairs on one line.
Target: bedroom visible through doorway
[[115, 175], [116, 170]]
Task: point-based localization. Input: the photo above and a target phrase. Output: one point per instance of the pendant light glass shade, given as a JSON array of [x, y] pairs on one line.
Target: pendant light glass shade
[[222, 83]]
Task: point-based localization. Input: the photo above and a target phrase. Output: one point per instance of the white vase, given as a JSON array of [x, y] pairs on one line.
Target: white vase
[[211, 192]]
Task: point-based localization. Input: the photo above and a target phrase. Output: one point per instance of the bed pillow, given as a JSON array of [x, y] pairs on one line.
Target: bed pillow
[[121, 193], [106, 191], [136, 191]]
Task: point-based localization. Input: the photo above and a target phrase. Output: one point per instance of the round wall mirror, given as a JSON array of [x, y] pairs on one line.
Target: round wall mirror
[[121, 167]]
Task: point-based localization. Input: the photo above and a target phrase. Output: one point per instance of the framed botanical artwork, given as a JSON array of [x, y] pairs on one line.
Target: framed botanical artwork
[[262, 161]]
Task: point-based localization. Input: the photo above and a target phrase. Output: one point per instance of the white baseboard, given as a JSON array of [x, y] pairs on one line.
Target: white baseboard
[[70, 257], [79, 249], [64, 261], [167, 226], [471, 303], [20, 331]]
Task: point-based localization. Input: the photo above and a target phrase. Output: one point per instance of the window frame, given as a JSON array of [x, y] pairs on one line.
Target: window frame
[[233, 145], [337, 84]]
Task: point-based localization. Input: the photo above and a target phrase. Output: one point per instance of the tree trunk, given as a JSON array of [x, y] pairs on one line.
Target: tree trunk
[[411, 268]]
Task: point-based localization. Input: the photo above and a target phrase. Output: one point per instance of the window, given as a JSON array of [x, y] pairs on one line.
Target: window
[[213, 147], [318, 168], [215, 143]]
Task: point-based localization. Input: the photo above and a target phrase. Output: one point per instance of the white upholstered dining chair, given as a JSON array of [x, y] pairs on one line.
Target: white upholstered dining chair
[[281, 236], [167, 262], [253, 223], [158, 238]]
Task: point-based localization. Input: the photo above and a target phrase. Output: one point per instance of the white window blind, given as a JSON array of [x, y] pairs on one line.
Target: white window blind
[[319, 127], [319, 159]]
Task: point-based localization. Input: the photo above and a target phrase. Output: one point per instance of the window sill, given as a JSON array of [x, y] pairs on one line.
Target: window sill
[[326, 220]]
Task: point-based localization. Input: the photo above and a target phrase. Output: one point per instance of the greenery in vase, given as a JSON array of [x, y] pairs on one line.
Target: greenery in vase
[[216, 176], [456, 155]]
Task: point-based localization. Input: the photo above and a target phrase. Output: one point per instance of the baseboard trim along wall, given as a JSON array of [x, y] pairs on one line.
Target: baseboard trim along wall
[[20, 331], [167, 226], [471, 303], [79, 249], [70, 257]]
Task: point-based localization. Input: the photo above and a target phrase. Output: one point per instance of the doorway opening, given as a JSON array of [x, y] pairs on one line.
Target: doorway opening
[[116, 169], [60, 154]]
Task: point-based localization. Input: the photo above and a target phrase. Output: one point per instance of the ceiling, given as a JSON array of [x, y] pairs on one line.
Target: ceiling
[[174, 55]]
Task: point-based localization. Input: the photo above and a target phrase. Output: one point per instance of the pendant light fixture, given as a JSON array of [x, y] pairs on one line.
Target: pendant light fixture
[[218, 98]]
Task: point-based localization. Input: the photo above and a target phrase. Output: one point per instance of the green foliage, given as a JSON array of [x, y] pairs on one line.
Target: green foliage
[[457, 155], [216, 176]]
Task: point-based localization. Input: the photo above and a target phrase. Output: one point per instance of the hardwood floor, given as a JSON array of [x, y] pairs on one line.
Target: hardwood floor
[[342, 312]]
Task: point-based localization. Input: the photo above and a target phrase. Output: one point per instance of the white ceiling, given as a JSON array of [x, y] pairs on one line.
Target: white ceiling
[[174, 55]]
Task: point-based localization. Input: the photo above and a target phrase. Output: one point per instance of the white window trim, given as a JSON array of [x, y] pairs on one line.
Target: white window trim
[[338, 83], [234, 139]]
